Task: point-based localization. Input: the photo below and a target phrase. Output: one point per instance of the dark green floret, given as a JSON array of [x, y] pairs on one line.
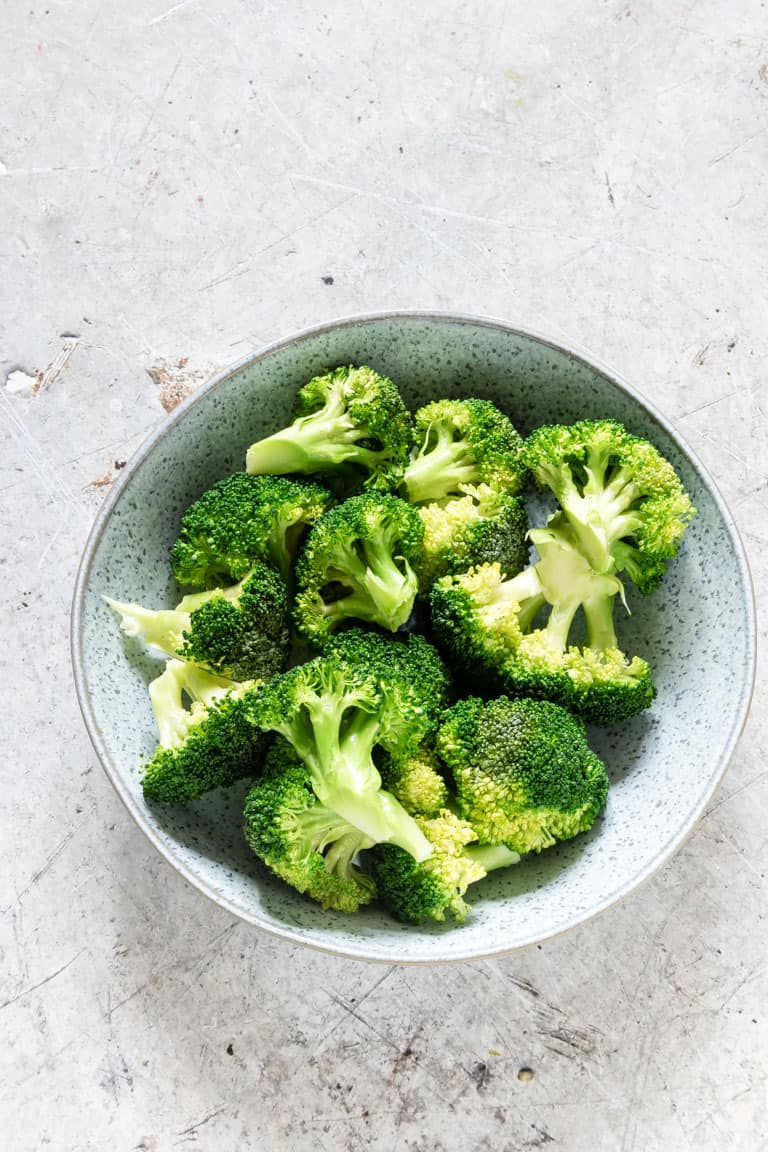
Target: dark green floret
[[206, 746], [486, 626], [330, 712], [349, 420], [240, 632], [306, 844], [358, 564], [241, 520], [623, 500], [460, 442], [482, 526], [434, 889], [524, 774]]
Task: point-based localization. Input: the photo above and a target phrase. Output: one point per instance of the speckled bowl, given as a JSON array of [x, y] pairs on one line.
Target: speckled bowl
[[697, 631]]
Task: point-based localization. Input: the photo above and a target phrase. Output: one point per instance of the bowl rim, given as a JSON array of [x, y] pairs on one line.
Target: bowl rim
[[286, 932]]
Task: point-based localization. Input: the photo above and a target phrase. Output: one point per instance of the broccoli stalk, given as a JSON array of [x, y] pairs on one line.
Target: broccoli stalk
[[330, 712], [349, 417]]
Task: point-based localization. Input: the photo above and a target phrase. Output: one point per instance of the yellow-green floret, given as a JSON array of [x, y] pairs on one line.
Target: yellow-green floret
[[481, 526]]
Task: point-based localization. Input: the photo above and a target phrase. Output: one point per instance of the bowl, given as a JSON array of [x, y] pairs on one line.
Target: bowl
[[698, 632]]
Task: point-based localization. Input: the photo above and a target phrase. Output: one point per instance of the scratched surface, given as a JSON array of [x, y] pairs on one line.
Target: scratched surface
[[180, 183]]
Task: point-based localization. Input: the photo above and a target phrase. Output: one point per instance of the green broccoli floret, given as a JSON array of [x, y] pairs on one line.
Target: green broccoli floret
[[410, 675], [243, 519], [485, 624], [624, 501], [460, 442], [206, 746], [357, 564], [351, 420], [482, 526], [417, 781], [240, 632], [524, 773], [301, 841], [330, 710], [434, 888]]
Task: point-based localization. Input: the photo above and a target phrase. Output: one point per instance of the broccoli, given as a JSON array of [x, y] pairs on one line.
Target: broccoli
[[482, 526], [243, 519], [329, 710], [460, 442], [624, 501], [525, 776], [416, 781], [357, 563], [210, 745], [350, 420], [301, 841], [411, 677], [240, 632], [429, 890], [486, 625]]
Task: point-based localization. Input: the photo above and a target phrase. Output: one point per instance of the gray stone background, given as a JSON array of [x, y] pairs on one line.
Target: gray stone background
[[180, 183]]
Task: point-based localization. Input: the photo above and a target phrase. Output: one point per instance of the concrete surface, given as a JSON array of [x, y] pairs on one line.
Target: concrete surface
[[183, 182]]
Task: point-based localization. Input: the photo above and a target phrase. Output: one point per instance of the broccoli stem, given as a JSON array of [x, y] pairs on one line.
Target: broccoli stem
[[492, 856], [325, 439], [392, 590], [436, 472], [601, 633]]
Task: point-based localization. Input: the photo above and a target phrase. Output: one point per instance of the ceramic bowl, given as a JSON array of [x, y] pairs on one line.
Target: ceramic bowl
[[697, 632]]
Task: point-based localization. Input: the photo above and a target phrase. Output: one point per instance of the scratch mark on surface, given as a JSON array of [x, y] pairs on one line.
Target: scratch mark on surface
[[199, 1123], [735, 147], [50, 375], [170, 12], [48, 864], [41, 983], [611, 200]]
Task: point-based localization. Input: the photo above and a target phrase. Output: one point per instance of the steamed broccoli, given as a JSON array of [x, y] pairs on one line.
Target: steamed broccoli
[[357, 563], [416, 781], [429, 890], [206, 746], [486, 624], [351, 420], [460, 442], [624, 501], [240, 632], [330, 711], [306, 844], [243, 519], [524, 773], [482, 526], [411, 677]]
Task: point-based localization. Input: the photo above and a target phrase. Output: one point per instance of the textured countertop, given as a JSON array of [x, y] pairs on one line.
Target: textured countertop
[[179, 184]]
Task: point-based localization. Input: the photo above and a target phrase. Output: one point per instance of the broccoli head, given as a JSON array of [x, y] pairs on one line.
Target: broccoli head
[[417, 781], [241, 520], [306, 844], [350, 420], [329, 711], [524, 773], [434, 888], [624, 501], [486, 625], [460, 442], [358, 564], [481, 526], [206, 746], [240, 632]]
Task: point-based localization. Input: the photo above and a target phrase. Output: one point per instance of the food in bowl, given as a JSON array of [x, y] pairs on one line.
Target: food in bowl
[[403, 562]]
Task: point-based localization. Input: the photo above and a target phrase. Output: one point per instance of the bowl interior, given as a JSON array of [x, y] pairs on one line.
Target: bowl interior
[[697, 632]]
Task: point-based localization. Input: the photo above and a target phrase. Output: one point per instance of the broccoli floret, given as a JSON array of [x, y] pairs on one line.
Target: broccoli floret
[[329, 710], [243, 519], [485, 624], [240, 632], [206, 746], [416, 781], [482, 526], [434, 888], [413, 681], [461, 442], [624, 501], [357, 563], [301, 841], [524, 773], [351, 420]]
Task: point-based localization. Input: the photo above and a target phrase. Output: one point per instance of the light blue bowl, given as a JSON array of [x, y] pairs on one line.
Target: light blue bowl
[[698, 632]]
